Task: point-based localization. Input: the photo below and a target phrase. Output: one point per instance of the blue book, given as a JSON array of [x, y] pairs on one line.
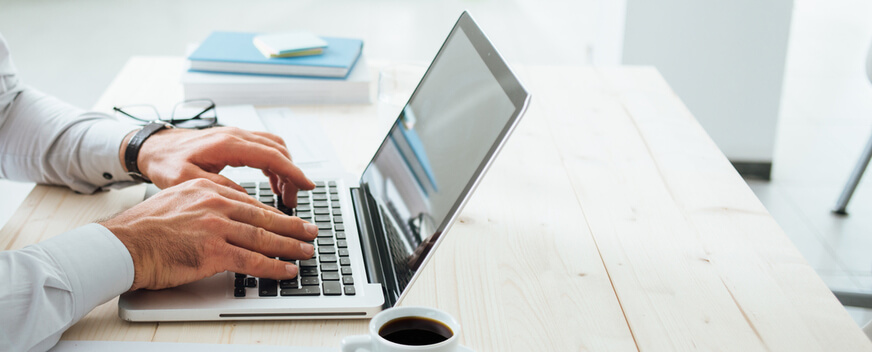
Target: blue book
[[235, 52]]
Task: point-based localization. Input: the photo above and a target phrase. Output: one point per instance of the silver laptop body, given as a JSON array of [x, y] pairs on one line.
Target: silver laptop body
[[393, 216]]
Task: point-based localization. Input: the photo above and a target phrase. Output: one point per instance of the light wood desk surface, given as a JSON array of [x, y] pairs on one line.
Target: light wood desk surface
[[610, 221]]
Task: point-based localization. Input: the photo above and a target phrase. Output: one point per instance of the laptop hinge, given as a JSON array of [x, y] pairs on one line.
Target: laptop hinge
[[372, 255]]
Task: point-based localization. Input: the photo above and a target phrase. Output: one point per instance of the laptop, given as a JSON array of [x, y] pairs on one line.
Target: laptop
[[377, 230]]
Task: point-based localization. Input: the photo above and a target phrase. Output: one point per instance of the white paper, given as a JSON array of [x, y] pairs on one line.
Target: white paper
[[114, 346], [240, 116], [306, 139]]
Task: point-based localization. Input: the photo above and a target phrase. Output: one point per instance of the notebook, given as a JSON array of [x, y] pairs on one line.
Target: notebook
[[379, 229], [235, 52]]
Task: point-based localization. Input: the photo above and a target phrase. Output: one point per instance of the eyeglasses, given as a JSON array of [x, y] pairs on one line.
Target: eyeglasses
[[193, 114]]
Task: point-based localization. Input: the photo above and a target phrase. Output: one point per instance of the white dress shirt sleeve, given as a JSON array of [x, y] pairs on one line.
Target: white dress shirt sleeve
[[45, 140], [47, 287]]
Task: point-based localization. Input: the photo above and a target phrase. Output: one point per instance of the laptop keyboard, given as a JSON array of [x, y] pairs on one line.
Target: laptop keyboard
[[328, 272]]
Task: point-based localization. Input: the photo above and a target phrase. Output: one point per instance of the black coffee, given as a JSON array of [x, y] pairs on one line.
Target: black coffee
[[415, 331]]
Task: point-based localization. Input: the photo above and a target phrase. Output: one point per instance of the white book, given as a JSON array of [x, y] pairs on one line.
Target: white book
[[261, 90]]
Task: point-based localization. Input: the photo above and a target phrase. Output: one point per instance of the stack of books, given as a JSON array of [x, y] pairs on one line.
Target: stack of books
[[234, 68]]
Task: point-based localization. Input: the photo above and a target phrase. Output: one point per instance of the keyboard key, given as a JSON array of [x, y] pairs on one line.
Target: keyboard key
[[319, 190], [302, 208], [322, 211], [347, 280], [266, 193], [342, 244], [240, 282], [251, 191], [340, 227], [251, 282], [328, 258], [309, 263], [304, 214], [325, 241], [303, 291], [343, 252], [248, 185], [334, 197], [324, 225], [322, 218], [326, 250], [346, 270], [302, 201], [268, 287], [337, 212], [239, 292], [302, 194], [329, 267], [335, 205], [310, 281], [332, 289], [345, 261], [310, 271], [320, 204], [349, 290], [340, 235], [331, 276], [263, 185], [320, 183], [331, 183], [319, 196], [337, 219], [269, 199], [325, 234], [286, 284]]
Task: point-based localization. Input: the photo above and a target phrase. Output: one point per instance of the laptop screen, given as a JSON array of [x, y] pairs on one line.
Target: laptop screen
[[440, 144]]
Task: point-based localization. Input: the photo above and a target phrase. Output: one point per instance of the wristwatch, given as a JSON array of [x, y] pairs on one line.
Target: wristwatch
[[131, 153]]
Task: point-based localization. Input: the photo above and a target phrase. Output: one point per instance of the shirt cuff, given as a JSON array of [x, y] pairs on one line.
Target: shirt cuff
[[98, 266], [100, 151]]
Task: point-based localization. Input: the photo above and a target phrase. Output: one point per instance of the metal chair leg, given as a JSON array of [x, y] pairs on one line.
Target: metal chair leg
[[854, 180], [854, 299]]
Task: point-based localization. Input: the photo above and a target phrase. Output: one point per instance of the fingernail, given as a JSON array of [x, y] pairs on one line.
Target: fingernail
[[311, 228], [292, 269], [307, 248]]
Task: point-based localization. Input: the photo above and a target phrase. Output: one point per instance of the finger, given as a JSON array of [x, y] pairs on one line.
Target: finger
[[268, 142], [289, 194], [242, 197], [264, 138], [290, 226], [256, 264], [247, 153], [271, 136], [268, 243], [221, 180]]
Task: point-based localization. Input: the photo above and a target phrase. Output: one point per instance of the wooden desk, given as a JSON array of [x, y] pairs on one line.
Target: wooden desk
[[609, 222]]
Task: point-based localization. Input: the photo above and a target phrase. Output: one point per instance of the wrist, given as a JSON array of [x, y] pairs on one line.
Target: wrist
[[122, 151], [134, 147]]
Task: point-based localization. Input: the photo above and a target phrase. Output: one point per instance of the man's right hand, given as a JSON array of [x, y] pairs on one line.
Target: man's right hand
[[199, 228]]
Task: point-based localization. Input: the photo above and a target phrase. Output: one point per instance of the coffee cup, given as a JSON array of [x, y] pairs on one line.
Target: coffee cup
[[402, 329]]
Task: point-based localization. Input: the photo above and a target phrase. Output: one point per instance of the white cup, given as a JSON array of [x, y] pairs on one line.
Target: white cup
[[373, 342]]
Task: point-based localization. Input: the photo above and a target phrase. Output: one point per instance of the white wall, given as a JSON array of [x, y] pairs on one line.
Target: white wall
[[725, 59]]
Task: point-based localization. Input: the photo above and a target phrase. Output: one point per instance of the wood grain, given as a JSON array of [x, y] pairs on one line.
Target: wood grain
[[610, 222]]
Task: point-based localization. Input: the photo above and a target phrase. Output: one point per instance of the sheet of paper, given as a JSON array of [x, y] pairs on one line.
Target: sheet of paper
[[304, 135], [241, 116], [113, 346]]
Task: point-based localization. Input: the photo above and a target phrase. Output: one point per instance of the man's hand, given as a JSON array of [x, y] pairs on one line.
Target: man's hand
[[199, 228], [173, 156]]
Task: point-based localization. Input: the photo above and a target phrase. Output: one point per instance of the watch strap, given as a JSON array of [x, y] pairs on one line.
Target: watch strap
[[131, 153]]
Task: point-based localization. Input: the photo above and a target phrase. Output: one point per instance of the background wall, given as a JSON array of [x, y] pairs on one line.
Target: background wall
[[725, 59]]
